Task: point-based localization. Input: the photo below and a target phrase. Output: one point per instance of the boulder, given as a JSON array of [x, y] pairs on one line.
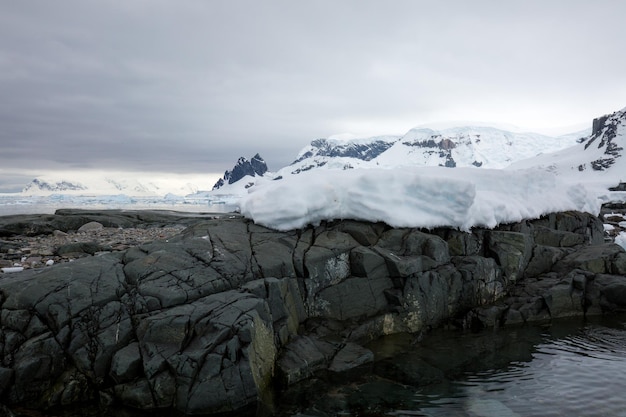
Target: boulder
[[90, 227], [598, 259], [304, 356], [543, 260], [349, 357], [557, 238], [79, 248], [612, 292]]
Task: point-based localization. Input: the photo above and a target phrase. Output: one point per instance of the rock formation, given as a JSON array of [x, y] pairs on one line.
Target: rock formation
[[210, 320], [254, 167]]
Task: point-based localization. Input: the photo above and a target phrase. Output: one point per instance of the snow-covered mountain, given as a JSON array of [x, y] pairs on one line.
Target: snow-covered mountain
[[111, 184], [466, 146], [256, 166], [598, 157], [38, 186]]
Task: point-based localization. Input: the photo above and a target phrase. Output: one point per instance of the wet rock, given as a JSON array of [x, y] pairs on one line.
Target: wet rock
[[564, 299], [349, 357], [304, 356], [612, 292]]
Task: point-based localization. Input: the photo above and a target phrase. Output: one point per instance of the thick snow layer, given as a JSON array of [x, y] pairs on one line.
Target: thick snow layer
[[414, 197]]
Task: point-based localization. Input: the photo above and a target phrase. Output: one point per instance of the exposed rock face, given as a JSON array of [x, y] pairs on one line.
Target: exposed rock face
[[208, 321], [605, 136], [254, 167], [364, 151]]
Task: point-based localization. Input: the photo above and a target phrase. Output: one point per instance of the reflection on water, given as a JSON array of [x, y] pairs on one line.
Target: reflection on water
[[583, 373], [569, 368]]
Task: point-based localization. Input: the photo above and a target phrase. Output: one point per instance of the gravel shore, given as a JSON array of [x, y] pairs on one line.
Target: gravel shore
[[38, 241], [38, 251]]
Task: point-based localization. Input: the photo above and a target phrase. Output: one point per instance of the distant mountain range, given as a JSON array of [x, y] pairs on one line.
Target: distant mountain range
[[475, 146], [105, 185]]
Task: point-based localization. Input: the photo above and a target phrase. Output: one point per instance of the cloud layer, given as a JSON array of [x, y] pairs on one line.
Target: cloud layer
[[189, 86]]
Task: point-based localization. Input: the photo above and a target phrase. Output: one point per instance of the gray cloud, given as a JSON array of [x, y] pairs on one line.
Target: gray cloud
[[189, 86]]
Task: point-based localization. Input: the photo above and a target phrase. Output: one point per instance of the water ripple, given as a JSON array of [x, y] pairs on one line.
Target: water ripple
[[580, 374]]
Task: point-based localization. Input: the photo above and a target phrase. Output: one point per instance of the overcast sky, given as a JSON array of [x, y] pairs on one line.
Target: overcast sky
[[188, 86]]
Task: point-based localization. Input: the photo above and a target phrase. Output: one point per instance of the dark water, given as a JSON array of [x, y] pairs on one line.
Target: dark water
[[568, 368]]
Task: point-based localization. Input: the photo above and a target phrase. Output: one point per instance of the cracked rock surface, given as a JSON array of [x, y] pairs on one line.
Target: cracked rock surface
[[211, 318]]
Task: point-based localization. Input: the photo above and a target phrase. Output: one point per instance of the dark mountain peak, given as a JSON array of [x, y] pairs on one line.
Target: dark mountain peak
[[605, 135], [255, 167]]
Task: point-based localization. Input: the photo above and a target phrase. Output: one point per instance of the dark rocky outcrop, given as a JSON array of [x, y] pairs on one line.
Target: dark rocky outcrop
[[66, 220], [210, 320], [254, 167], [605, 135], [363, 151]]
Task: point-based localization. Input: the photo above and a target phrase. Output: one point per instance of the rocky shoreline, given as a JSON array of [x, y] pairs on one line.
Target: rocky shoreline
[[36, 241], [207, 314]]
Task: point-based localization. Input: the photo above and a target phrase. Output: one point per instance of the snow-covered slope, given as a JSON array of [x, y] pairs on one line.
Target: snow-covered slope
[[338, 153], [466, 146], [598, 158]]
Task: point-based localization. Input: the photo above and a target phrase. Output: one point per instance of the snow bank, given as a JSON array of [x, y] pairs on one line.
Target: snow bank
[[413, 197], [621, 239]]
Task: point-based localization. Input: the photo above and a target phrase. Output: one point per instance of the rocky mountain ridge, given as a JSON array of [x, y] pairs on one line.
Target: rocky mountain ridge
[[606, 130], [256, 166], [600, 154]]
